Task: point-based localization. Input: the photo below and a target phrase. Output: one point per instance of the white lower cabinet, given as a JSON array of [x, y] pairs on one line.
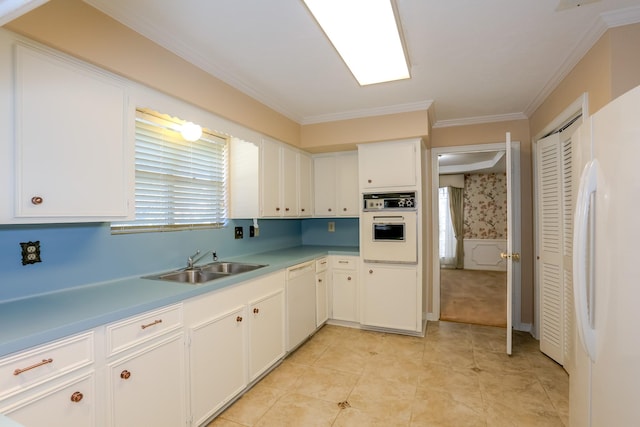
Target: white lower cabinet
[[344, 288], [266, 323], [235, 335], [70, 404], [217, 358], [145, 371], [51, 385], [391, 297], [147, 387], [322, 291]]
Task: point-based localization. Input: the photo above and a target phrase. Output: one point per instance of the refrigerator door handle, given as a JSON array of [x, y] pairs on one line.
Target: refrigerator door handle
[[581, 264]]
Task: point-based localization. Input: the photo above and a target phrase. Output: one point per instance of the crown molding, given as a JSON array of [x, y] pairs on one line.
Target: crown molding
[[606, 21], [156, 34], [368, 112], [466, 121]]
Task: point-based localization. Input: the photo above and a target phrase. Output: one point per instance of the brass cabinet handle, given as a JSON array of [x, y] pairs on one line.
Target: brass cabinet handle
[[76, 397], [319, 280], [155, 322], [256, 310], [37, 200], [370, 271], [125, 375], [329, 209], [239, 319], [349, 278], [286, 209], [369, 181], [302, 209], [277, 209], [514, 256], [36, 365]]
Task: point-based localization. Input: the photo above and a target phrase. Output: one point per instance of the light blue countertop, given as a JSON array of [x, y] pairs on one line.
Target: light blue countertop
[[33, 321]]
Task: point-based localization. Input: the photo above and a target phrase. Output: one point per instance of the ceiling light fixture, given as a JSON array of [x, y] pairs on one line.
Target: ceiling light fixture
[[366, 35], [191, 132]]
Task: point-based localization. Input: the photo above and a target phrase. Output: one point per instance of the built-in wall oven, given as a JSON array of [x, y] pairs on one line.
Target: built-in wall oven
[[389, 228]]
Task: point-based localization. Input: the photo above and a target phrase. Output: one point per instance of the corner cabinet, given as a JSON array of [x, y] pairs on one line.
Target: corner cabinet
[[344, 288], [336, 185], [389, 165], [73, 148]]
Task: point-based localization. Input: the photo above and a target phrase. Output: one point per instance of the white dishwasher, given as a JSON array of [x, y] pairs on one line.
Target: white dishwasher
[[301, 303]]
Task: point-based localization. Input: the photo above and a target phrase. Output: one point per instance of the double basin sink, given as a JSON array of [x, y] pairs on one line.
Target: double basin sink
[[205, 273]]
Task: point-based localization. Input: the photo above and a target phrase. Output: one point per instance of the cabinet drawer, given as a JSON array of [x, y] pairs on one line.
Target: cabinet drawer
[[135, 330], [345, 263], [43, 363], [322, 264]]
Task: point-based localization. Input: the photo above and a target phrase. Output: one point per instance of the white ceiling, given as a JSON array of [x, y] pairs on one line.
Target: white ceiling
[[476, 61], [472, 162]]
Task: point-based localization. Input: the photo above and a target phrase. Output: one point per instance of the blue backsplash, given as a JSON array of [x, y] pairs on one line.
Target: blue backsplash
[[80, 254]]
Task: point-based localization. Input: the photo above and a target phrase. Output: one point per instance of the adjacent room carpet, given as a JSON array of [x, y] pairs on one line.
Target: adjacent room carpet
[[473, 296]]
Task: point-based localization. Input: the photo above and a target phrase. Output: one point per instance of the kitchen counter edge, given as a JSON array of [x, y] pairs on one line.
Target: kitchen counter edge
[[40, 319]]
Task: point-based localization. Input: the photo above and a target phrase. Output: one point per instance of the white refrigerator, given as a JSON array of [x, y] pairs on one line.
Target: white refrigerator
[[604, 370]]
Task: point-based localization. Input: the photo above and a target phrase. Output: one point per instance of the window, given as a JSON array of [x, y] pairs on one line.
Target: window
[[447, 238], [179, 184]]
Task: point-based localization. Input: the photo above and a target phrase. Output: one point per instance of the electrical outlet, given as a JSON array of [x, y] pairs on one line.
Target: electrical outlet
[[331, 227], [30, 252], [252, 231], [239, 233]]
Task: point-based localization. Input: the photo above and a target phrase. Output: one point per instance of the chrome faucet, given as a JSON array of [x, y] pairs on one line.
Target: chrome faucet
[[192, 259]]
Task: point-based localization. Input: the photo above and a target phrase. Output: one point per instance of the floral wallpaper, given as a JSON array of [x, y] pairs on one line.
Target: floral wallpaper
[[485, 206]]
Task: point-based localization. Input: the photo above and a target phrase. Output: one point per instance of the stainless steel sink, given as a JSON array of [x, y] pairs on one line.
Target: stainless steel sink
[[230, 267], [205, 273]]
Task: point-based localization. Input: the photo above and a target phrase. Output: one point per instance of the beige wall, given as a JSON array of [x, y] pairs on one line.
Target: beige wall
[[345, 134]]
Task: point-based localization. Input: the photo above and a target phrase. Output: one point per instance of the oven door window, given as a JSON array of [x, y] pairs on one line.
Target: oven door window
[[388, 232]]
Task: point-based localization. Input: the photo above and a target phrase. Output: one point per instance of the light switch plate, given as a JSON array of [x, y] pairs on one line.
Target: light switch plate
[[30, 252]]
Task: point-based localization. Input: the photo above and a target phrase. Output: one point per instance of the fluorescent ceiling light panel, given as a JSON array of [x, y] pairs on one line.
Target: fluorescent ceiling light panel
[[366, 35]]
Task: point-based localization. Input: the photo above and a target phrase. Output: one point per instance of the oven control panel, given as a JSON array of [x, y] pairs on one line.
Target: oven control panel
[[389, 201]]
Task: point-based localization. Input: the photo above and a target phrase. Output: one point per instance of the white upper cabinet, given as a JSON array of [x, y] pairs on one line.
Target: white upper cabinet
[[389, 165], [305, 187], [285, 181], [72, 149], [336, 184]]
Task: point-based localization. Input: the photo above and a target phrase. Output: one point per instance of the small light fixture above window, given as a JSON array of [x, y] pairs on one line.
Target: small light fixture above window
[[366, 35], [191, 132]]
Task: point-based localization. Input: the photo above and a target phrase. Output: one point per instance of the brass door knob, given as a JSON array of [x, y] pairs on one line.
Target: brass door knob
[[76, 397]]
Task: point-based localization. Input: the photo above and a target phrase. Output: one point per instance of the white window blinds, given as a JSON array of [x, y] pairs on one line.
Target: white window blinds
[[179, 184]]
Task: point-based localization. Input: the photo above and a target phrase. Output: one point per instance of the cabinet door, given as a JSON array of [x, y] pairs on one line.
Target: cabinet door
[[322, 298], [305, 190], [347, 193], [71, 404], [324, 183], [344, 295], [270, 182], [289, 169], [72, 144], [147, 388], [217, 363], [390, 297], [266, 343], [389, 164]]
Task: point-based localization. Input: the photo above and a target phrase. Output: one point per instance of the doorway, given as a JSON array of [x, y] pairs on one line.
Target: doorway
[[486, 155]]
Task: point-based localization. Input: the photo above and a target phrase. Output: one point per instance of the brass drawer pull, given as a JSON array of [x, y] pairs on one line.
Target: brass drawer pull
[[256, 310], [76, 397], [37, 200], [239, 319], [125, 375], [155, 322], [28, 368]]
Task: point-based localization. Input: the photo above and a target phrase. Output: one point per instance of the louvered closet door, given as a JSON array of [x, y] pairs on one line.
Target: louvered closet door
[[550, 241]]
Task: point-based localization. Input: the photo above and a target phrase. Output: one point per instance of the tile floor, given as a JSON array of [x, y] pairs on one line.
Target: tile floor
[[457, 375]]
